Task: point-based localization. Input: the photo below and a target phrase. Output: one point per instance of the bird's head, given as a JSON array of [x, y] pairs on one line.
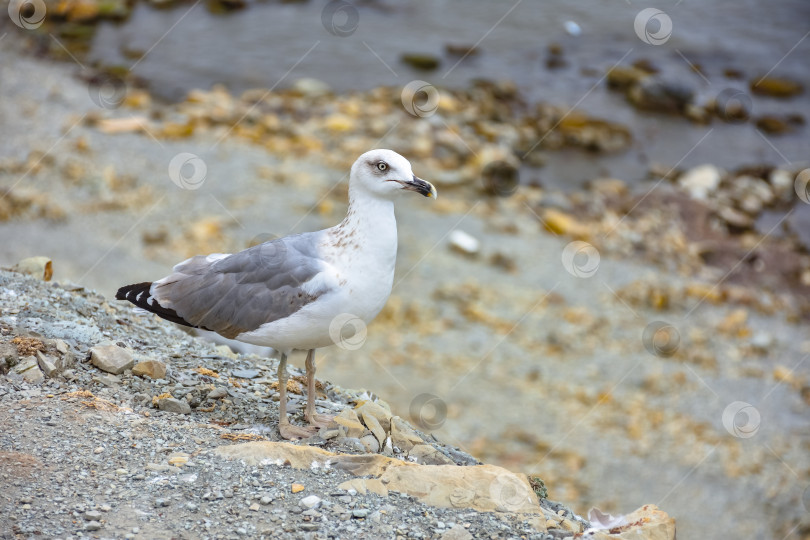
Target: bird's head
[[385, 173]]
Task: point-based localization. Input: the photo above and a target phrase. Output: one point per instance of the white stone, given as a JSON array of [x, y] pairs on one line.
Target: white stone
[[701, 181], [310, 501], [464, 242]]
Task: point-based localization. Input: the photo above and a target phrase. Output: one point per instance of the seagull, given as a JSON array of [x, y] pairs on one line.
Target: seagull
[[296, 292]]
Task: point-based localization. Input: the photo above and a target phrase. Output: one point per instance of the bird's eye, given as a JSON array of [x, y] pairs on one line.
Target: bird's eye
[[382, 166]]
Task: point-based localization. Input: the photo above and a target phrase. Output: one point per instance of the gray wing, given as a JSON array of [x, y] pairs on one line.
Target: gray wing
[[238, 293]]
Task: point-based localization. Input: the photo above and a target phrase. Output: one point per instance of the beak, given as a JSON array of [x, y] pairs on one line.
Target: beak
[[420, 186]]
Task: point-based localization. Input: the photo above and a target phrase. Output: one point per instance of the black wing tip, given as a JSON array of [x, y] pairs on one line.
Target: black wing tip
[[124, 292], [138, 294]]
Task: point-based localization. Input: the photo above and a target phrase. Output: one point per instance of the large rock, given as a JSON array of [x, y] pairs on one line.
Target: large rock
[[111, 358], [28, 367]]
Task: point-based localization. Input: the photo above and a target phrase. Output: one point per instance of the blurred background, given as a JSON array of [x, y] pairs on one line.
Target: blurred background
[[612, 290]]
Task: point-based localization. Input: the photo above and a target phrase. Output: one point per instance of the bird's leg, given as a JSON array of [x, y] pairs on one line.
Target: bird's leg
[[317, 420], [285, 429]]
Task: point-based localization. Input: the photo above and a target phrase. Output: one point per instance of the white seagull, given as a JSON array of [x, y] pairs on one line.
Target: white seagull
[[287, 293]]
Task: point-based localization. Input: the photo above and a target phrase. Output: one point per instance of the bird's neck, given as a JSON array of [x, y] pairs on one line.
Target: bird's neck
[[371, 215]]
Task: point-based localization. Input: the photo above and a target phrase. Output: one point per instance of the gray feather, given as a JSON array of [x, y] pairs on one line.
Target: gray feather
[[241, 292]]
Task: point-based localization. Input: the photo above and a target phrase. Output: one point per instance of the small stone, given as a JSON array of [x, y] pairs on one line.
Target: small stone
[[464, 243], [92, 526], [98, 450], [191, 507], [92, 515], [28, 368], [360, 513], [776, 87], [348, 419], [701, 181], [311, 501], [370, 443], [46, 364], [265, 500], [245, 373], [39, 267], [311, 87], [111, 358], [217, 393], [174, 405], [160, 503], [457, 532], [254, 507], [425, 62], [153, 369], [374, 425], [297, 488], [403, 436]]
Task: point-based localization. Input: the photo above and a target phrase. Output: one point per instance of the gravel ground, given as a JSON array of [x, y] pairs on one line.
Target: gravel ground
[[540, 370], [88, 453]]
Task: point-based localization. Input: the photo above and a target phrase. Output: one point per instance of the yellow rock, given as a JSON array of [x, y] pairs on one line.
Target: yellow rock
[[348, 419], [150, 368], [558, 222], [297, 488], [339, 123], [39, 267]]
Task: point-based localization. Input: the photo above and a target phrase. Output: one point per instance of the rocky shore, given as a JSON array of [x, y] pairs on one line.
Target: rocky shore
[[629, 342], [119, 425]]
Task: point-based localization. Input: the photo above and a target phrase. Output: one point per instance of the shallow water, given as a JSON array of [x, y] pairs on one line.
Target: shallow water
[[271, 44]]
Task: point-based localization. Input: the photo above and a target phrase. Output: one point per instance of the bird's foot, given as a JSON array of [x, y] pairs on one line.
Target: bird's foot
[[294, 433], [320, 420]]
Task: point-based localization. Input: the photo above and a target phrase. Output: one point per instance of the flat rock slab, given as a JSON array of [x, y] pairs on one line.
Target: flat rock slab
[[111, 358], [485, 488]]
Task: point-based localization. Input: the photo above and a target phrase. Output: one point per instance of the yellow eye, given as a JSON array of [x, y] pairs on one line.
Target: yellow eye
[[382, 166]]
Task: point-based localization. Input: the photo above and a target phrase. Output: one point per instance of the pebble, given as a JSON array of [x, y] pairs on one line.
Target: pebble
[[153, 369], [92, 515], [311, 501], [360, 512], [297, 488], [217, 393], [701, 181], [266, 500], [174, 405], [111, 358], [464, 243], [92, 526], [160, 503]]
